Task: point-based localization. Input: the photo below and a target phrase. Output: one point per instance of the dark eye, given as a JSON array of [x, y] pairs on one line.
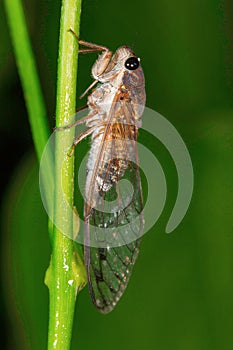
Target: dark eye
[[132, 63]]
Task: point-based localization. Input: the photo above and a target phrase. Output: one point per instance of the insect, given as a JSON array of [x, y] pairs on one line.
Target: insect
[[113, 213]]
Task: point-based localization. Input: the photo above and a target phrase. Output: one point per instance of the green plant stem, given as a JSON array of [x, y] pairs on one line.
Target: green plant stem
[[66, 275], [28, 74]]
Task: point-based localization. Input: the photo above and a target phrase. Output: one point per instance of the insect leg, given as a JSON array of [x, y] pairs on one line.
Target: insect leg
[[82, 136], [78, 122], [93, 47], [89, 87], [101, 63], [81, 108], [99, 68], [87, 50]]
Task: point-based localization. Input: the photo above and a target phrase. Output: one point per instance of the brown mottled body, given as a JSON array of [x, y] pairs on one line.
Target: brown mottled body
[[115, 110]]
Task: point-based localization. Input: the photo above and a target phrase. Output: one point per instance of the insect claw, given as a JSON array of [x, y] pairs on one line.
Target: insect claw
[[73, 32]]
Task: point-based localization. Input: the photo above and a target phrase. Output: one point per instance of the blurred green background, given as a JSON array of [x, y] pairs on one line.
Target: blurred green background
[[180, 293]]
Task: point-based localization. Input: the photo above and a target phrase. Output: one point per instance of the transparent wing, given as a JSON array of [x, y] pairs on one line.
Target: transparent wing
[[113, 211], [116, 237], [109, 272]]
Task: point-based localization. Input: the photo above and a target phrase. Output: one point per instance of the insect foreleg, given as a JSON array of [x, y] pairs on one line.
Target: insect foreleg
[[101, 63], [93, 47], [99, 68]]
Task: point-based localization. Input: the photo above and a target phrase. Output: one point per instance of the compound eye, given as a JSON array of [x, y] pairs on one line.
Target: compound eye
[[132, 63]]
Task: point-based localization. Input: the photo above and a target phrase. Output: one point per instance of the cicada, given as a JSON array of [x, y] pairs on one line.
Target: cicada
[[113, 212]]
